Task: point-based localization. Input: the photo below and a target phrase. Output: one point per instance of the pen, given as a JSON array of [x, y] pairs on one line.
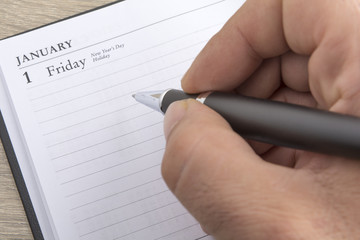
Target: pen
[[273, 122]]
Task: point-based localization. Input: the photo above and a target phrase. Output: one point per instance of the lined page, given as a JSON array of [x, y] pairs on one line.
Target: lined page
[[96, 151]]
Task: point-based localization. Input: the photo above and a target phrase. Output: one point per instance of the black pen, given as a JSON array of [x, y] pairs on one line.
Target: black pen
[[273, 122]]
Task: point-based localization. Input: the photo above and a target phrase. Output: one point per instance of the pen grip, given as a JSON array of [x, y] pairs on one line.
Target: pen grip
[[289, 125]]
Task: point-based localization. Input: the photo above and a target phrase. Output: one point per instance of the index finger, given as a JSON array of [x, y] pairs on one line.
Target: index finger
[[325, 30], [232, 55]]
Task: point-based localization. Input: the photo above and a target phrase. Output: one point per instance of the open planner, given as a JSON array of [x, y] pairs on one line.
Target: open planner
[[85, 155]]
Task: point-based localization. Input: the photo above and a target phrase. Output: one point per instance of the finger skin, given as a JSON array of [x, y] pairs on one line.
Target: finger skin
[[231, 56], [218, 177], [264, 81], [205, 124], [231, 191], [294, 71], [202, 177], [327, 32]]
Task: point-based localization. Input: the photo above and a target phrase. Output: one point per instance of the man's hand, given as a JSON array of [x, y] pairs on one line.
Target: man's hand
[[303, 52]]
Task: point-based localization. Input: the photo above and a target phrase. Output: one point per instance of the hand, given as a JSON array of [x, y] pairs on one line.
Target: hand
[[303, 52]]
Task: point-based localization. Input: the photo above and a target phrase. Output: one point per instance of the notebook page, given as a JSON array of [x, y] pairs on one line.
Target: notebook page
[[25, 166], [96, 152]]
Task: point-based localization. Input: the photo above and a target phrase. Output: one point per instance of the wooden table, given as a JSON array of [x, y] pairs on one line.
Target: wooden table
[[15, 17]]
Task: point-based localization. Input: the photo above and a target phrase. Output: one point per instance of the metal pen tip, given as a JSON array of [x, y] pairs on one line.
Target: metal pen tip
[[151, 99]]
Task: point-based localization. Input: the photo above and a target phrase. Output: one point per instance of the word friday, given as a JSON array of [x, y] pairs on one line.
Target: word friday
[[65, 67], [25, 58]]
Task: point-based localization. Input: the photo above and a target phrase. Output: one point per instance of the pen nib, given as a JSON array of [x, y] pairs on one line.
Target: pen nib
[[150, 99]]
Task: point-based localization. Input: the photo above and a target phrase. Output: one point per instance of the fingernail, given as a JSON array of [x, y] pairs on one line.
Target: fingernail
[[174, 114]]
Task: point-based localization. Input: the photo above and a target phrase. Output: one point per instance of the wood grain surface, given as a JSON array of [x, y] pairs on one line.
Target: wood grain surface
[[16, 17]]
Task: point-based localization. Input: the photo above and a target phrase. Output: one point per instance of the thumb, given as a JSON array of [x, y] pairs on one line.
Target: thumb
[[216, 175]]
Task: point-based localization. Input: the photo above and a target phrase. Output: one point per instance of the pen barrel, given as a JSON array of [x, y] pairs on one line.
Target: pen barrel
[[173, 95], [289, 125]]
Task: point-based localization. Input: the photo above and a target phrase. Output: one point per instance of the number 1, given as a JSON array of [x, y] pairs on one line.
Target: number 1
[[27, 77]]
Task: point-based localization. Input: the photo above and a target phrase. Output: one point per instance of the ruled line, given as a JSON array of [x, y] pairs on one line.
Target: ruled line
[[202, 237], [115, 194], [122, 206], [151, 226], [114, 180], [173, 233], [92, 119], [94, 159], [64, 115], [139, 215], [99, 130], [105, 141], [108, 168], [111, 139]]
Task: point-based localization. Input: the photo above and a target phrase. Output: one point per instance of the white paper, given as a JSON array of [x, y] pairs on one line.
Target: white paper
[[95, 151]]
